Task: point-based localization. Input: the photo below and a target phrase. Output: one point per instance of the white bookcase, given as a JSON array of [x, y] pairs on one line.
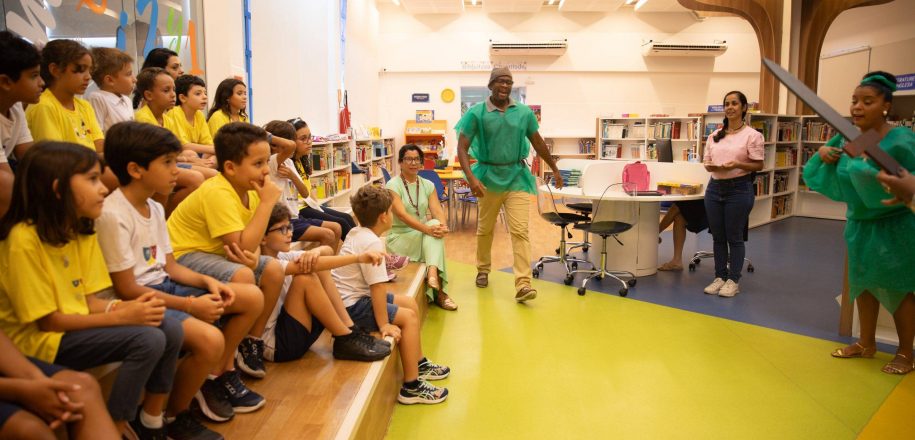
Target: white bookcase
[[332, 179], [811, 203], [564, 147], [634, 138]]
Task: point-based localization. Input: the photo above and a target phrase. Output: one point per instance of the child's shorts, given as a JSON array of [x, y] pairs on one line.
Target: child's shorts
[[301, 224], [185, 165], [362, 315], [217, 266], [172, 288], [292, 338], [7, 409]]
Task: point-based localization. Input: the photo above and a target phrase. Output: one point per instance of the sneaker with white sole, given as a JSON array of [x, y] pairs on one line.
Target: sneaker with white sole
[[729, 289], [431, 371], [424, 392], [712, 289]]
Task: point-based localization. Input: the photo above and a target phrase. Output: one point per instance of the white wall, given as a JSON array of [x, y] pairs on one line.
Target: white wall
[[362, 64], [224, 40], [602, 73]]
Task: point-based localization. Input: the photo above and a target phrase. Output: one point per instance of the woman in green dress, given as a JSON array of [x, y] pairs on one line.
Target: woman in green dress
[[419, 224], [880, 236]]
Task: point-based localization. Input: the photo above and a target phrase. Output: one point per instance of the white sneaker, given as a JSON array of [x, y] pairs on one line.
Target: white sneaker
[[729, 289], [712, 289]]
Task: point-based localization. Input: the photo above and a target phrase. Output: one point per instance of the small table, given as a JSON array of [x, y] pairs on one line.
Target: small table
[[449, 176], [639, 253]]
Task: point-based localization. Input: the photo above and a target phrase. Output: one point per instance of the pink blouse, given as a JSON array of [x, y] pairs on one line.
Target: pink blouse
[[744, 146]]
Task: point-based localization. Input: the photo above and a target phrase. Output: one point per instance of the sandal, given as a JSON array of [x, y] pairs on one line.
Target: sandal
[[445, 302], [864, 352], [671, 267], [897, 367], [482, 279], [433, 281]]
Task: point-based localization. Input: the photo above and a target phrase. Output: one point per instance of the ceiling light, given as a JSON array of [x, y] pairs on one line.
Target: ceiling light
[[640, 4], [552, 2], [629, 2], [561, 2], [396, 2], [473, 2]]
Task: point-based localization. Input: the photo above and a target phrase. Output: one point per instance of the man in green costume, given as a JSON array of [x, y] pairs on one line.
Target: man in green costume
[[499, 133]]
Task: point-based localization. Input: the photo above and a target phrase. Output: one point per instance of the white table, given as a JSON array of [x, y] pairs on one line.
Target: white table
[[639, 253]]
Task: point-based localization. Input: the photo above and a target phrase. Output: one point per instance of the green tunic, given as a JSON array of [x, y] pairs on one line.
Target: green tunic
[[880, 238], [499, 143], [404, 240]]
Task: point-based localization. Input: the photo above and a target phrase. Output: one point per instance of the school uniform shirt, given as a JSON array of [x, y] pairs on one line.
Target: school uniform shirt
[[110, 108], [743, 146], [220, 118], [290, 195], [354, 281], [211, 211], [14, 130], [37, 279], [49, 120], [196, 133], [269, 335], [145, 115], [131, 241]]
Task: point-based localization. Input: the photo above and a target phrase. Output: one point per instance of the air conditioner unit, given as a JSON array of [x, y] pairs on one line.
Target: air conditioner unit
[[552, 47], [655, 49]]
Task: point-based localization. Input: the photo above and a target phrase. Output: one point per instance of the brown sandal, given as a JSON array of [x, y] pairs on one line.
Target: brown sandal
[[668, 266], [864, 352], [433, 281], [445, 302], [896, 367]]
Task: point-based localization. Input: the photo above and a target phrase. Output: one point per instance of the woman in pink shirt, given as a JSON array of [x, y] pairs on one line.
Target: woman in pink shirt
[[733, 154]]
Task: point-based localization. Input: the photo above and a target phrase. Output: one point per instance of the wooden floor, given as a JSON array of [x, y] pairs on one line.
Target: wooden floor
[[312, 398]]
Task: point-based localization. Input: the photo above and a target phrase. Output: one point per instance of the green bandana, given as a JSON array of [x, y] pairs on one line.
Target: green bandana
[[879, 79]]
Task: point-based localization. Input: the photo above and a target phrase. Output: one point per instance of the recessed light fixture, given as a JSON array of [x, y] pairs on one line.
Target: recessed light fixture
[[473, 2], [561, 2], [396, 2], [640, 4], [629, 2]]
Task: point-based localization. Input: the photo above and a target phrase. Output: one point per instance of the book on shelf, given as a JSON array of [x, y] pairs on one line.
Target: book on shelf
[[781, 205], [786, 157], [762, 184], [609, 150], [818, 131], [711, 127], [780, 182], [635, 151], [788, 131], [585, 146], [806, 154], [764, 127]]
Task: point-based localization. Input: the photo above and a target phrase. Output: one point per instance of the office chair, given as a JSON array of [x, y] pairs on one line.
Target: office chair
[[546, 206]]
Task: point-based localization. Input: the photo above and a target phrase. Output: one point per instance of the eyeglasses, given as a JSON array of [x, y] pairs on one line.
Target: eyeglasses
[[283, 229], [506, 82], [412, 160]]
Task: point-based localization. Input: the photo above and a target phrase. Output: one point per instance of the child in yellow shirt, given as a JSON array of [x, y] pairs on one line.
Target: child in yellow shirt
[[51, 267], [229, 104], [187, 113]]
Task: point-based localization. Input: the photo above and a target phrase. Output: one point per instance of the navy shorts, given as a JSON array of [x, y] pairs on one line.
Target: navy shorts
[[8, 409], [362, 315], [292, 338], [301, 224], [185, 165]]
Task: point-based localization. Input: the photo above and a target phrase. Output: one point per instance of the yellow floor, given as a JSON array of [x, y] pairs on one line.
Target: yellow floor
[[601, 366]]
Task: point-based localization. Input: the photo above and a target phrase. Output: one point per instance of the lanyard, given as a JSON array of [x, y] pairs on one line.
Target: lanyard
[[407, 188]]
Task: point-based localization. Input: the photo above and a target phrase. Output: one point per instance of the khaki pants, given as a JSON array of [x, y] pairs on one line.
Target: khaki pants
[[517, 213]]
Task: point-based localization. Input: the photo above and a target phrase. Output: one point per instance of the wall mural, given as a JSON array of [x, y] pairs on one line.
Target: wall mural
[[134, 26]]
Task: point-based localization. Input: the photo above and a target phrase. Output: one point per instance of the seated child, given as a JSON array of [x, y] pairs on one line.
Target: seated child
[[309, 292], [137, 249], [283, 172], [191, 102], [51, 267], [228, 215], [112, 71], [19, 70], [37, 397], [362, 287]]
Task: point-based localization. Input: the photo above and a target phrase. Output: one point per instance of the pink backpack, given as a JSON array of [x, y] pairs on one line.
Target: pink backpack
[[636, 175]]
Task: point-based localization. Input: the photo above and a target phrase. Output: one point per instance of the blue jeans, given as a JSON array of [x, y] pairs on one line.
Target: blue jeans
[[728, 203]]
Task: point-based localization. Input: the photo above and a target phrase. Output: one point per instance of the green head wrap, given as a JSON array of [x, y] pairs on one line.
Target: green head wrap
[[879, 79]]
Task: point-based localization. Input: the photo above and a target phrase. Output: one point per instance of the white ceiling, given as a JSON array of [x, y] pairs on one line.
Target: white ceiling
[[530, 6]]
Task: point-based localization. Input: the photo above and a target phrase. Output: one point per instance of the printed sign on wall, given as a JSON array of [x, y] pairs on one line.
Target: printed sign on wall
[[420, 97]]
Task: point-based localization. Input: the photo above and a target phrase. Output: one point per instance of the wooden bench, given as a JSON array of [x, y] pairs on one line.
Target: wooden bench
[[320, 397]]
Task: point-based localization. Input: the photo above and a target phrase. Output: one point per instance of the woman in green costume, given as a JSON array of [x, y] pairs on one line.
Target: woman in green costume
[[414, 233], [880, 237]]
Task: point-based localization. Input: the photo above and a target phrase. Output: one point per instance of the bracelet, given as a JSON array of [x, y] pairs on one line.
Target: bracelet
[[187, 304], [111, 305]]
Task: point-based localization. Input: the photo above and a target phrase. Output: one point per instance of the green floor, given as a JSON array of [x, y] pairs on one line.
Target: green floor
[[604, 367]]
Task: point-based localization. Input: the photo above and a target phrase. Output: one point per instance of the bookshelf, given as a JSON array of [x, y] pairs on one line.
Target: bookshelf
[[429, 136], [331, 175], [634, 138], [579, 147], [815, 133]]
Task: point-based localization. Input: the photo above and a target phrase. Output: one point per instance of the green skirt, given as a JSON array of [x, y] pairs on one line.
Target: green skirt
[[881, 258], [421, 247]]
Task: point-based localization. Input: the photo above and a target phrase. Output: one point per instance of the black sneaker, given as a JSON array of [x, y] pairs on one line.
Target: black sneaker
[[241, 398], [140, 432], [359, 330], [356, 347], [250, 357], [431, 371], [186, 427], [425, 393], [213, 401]]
